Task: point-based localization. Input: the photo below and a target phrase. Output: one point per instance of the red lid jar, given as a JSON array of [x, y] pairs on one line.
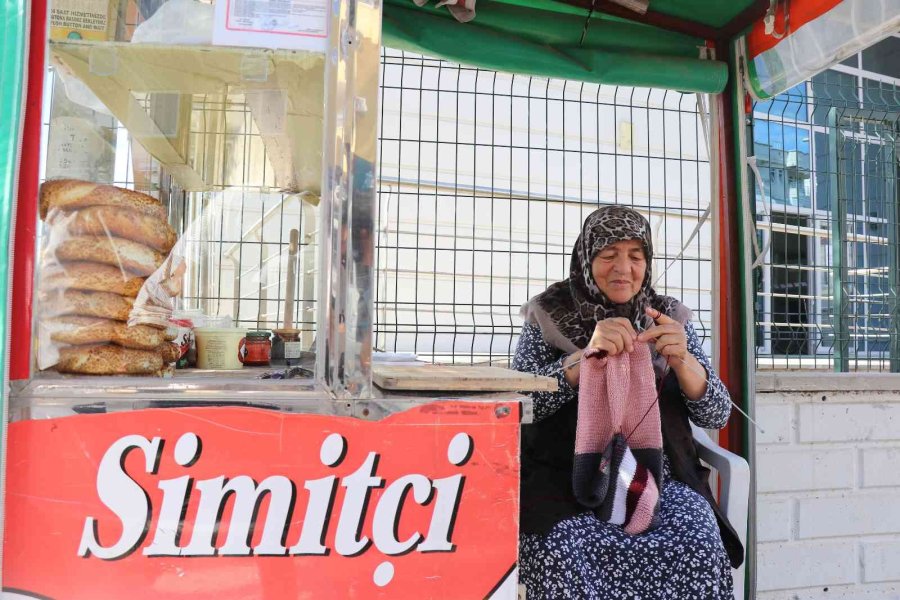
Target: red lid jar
[[256, 349]]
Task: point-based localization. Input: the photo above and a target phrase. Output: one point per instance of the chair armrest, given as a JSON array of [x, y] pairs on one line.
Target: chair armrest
[[734, 473]]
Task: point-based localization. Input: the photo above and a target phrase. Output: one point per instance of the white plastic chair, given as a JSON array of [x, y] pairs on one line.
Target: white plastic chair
[[734, 499]]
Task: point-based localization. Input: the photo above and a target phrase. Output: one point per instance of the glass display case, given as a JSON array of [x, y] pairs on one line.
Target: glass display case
[[207, 175]]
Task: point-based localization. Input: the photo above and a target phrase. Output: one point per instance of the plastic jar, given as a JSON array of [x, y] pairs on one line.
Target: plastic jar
[[219, 347], [256, 349]]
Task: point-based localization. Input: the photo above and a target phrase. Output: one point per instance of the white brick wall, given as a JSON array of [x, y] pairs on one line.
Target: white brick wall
[[828, 486]]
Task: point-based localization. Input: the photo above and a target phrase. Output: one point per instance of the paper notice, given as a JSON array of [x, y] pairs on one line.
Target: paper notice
[[280, 24], [83, 20], [79, 149]]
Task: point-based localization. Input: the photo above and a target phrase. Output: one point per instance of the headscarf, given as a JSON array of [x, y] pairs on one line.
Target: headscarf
[[568, 310]]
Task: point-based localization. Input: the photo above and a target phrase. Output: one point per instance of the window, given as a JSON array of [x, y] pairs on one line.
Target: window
[[883, 57], [782, 154]]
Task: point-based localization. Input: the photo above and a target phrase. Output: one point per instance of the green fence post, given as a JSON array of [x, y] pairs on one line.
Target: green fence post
[[839, 302], [890, 193]]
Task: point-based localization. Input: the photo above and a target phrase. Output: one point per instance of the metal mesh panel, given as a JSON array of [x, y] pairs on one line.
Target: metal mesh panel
[[485, 179], [827, 218]]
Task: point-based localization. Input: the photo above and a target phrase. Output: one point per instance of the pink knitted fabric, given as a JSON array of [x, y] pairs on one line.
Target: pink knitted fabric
[[618, 441], [614, 398]]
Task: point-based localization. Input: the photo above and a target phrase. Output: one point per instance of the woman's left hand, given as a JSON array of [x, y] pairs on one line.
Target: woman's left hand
[[671, 342], [670, 336]]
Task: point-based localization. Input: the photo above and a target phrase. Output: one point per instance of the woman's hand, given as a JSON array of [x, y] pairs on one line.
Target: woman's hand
[[614, 336], [671, 342], [670, 336]]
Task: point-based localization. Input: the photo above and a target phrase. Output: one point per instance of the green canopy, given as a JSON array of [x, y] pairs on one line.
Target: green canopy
[[543, 38]]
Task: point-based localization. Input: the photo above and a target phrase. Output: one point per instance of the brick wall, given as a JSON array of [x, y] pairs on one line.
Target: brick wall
[[828, 486]]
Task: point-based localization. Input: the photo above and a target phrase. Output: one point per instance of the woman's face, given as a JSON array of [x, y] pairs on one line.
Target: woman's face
[[619, 270]]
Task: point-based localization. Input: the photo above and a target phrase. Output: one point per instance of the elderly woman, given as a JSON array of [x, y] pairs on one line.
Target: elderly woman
[[608, 303]]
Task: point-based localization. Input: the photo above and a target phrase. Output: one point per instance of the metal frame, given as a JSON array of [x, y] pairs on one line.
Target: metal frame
[[722, 34], [730, 236], [348, 205], [747, 358], [838, 235], [891, 191]]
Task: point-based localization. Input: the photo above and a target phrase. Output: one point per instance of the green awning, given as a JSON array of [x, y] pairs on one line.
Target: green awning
[[541, 37]]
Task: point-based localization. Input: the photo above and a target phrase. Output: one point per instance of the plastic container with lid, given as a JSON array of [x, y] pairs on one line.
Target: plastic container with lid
[[219, 347]]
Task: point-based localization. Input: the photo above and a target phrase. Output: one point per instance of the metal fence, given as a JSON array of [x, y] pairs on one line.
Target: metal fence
[[485, 179], [827, 225]]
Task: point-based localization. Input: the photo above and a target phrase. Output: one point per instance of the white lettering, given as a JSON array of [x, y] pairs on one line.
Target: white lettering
[[243, 498], [247, 498], [123, 496], [176, 494], [171, 517], [321, 499], [449, 493], [349, 540], [318, 512], [386, 523]]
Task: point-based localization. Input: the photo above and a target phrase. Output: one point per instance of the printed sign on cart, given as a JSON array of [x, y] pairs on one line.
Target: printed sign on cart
[[286, 25], [249, 503]]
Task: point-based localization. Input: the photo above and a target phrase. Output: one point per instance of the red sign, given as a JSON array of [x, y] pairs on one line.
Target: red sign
[[249, 503]]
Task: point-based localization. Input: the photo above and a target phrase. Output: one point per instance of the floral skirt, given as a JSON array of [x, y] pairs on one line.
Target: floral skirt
[[585, 558]]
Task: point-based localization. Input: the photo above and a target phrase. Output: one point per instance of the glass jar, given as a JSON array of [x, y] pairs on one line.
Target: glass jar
[[256, 349]]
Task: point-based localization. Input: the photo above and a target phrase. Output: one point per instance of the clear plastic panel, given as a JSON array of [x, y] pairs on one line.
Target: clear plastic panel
[[347, 213]]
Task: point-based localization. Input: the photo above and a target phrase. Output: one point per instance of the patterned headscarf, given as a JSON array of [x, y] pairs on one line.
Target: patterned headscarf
[[568, 311]]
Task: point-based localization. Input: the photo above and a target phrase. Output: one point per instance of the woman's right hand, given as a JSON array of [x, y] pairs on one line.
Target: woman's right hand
[[614, 335]]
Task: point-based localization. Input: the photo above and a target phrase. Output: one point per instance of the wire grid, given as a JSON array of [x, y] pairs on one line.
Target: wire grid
[[235, 237], [238, 236], [485, 179], [827, 224]]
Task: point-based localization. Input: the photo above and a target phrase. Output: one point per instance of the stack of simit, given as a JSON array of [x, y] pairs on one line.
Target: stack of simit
[[103, 244]]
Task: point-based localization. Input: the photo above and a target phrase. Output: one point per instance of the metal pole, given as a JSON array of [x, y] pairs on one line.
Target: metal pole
[[744, 133], [839, 302], [730, 330], [348, 206], [735, 318], [893, 200]]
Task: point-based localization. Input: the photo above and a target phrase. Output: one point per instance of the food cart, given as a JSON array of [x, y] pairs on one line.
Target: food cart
[[160, 441]]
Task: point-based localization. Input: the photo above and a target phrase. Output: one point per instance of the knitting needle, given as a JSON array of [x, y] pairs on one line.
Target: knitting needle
[[703, 375], [565, 367], [738, 408]]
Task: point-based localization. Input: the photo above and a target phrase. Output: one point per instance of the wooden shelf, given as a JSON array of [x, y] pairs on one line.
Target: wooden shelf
[[427, 377], [283, 89]]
